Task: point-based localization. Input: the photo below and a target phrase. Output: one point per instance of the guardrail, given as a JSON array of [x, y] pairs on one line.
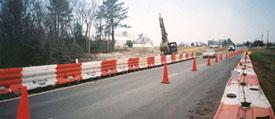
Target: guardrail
[[243, 97], [13, 79]]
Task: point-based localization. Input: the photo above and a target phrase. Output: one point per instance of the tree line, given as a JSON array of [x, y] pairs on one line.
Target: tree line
[[38, 32]]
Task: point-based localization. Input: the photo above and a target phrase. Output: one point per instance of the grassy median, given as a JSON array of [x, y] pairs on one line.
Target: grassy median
[[264, 66]]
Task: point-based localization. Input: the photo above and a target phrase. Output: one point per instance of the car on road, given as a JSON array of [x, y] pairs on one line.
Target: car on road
[[213, 46], [231, 48], [209, 52]]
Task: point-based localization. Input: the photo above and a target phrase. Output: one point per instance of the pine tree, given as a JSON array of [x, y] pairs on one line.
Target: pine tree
[[112, 12]]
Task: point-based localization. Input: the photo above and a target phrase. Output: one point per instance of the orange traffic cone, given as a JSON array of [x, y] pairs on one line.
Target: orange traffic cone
[[194, 65], [221, 56], [23, 110], [208, 62], [216, 59], [226, 56], [165, 75]]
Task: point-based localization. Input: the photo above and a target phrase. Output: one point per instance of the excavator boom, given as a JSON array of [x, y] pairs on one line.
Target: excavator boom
[[166, 48]]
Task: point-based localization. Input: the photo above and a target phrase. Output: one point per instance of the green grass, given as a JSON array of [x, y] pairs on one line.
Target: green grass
[[121, 50], [262, 62], [198, 53], [265, 56]]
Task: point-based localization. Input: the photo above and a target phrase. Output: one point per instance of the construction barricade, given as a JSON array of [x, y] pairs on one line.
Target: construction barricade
[[91, 70], [133, 64], [122, 65], [173, 58], [39, 76], [157, 60], [168, 59], [186, 55], [108, 67], [150, 62], [143, 62], [10, 80], [163, 59], [181, 57], [67, 73], [243, 96]]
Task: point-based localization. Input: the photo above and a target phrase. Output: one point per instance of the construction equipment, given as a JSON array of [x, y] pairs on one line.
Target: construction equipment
[[166, 47]]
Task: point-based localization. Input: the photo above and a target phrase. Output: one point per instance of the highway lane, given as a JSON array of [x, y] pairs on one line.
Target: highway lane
[[134, 95]]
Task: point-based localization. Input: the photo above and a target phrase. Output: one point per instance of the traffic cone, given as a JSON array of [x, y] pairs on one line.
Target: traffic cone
[[221, 56], [216, 59], [226, 56], [208, 62], [194, 65], [23, 110], [165, 75]]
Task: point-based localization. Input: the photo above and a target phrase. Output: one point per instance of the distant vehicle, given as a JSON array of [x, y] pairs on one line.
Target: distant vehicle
[[231, 48], [213, 46], [209, 52]]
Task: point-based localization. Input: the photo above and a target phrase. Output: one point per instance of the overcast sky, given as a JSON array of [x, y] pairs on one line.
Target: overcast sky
[[201, 20]]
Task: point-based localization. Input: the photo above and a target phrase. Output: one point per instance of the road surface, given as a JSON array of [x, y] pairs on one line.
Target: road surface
[[136, 95]]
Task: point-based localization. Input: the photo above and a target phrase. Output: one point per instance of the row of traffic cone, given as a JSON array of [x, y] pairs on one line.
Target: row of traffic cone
[[208, 62], [165, 72]]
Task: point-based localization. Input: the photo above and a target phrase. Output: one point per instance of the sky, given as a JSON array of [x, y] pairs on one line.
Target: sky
[[202, 20]]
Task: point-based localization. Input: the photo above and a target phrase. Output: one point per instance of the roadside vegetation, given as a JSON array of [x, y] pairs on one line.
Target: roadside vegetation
[[264, 66], [40, 32]]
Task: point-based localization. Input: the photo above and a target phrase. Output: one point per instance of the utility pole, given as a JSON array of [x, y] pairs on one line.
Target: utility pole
[[267, 42]]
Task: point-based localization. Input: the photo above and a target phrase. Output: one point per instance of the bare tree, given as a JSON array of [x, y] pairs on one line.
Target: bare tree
[[85, 15]]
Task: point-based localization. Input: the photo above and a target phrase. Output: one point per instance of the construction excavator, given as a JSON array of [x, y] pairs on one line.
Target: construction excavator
[[166, 47]]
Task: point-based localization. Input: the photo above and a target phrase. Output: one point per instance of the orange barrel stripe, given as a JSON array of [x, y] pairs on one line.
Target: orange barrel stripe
[[173, 58], [108, 67], [66, 73], [133, 64], [163, 59], [151, 61], [11, 80]]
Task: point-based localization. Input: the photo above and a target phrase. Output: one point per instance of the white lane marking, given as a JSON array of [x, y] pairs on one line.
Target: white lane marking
[[171, 75]]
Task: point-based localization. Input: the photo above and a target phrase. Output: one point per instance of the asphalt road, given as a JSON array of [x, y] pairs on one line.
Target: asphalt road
[[136, 95]]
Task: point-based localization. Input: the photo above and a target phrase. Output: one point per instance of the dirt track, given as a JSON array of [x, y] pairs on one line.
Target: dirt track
[[137, 52]]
